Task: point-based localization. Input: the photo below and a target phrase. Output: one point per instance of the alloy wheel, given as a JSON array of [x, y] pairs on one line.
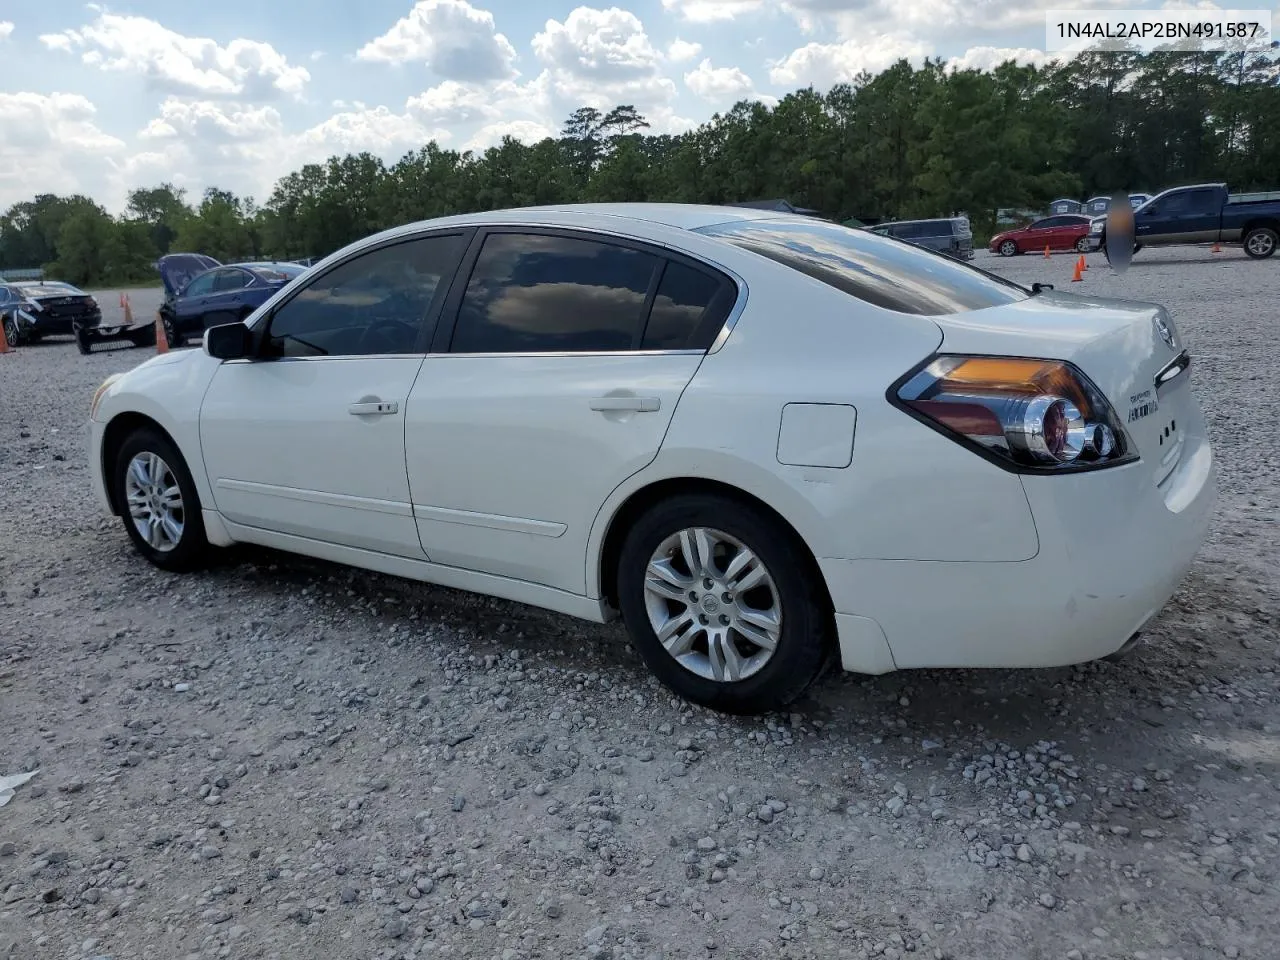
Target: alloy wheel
[[713, 604], [1261, 243], [155, 501]]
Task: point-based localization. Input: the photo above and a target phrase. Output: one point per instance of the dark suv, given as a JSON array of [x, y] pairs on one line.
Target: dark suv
[[949, 235]]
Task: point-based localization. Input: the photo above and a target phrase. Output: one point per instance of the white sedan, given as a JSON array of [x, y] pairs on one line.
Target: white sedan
[[767, 441]]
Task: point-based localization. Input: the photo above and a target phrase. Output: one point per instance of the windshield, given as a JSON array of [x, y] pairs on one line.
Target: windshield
[[883, 271]]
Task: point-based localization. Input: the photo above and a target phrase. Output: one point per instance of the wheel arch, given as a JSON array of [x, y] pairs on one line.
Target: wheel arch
[[118, 430], [1268, 223], [634, 504]]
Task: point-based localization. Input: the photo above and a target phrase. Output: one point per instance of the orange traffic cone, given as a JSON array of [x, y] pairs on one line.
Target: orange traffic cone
[[4, 340], [128, 310], [162, 339], [1084, 264], [1079, 273], [1217, 247], [1046, 251]]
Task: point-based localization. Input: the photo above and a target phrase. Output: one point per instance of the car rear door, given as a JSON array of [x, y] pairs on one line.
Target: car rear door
[[552, 382], [307, 439], [228, 299]]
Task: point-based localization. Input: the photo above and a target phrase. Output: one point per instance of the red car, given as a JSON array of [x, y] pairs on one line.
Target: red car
[[1068, 231]]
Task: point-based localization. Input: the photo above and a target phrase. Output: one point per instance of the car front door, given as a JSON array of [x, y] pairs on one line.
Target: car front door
[[554, 378], [307, 438]]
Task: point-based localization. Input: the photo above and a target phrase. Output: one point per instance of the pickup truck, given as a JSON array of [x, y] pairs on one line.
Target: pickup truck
[[1203, 213]]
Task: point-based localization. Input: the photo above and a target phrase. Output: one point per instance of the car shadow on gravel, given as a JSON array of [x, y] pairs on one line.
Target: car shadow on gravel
[[1130, 712]]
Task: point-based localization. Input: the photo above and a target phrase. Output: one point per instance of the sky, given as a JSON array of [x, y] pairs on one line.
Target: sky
[[99, 99]]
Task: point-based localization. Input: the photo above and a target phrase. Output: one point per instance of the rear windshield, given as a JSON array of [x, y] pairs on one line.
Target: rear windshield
[[888, 273], [50, 290]]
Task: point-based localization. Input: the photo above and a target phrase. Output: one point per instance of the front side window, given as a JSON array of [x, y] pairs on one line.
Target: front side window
[[895, 276], [374, 303], [537, 293]]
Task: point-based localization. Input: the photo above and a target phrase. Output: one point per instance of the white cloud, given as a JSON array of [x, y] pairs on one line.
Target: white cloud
[[526, 131], [988, 58], [826, 64], [601, 58], [454, 39], [210, 122], [454, 103], [52, 143], [243, 69], [717, 84], [682, 51], [711, 11], [6, 29]]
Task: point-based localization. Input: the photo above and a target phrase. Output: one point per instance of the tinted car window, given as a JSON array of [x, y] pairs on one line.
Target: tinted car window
[[688, 310], [375, 303], [201, 286], [4, 295], [230, 280], [896, 276], [533, 293]]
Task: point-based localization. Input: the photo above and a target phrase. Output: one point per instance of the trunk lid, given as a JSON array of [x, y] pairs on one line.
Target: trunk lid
[[178, 269], [1123, 346]]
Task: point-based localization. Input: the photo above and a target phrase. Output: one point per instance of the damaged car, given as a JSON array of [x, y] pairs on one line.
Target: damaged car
[[200, 292], [35, 309]]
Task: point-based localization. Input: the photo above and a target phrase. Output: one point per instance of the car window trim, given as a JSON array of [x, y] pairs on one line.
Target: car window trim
[[442, 342], [261, 326]]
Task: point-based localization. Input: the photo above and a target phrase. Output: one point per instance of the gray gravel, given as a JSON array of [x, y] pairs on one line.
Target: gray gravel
[[282, 758]]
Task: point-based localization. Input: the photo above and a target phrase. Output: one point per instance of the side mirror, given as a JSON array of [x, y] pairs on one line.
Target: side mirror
[[229, 341]]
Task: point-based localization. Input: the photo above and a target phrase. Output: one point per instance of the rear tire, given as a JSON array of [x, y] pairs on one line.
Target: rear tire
[[774, 596], [1082, 245], [153, 491], [1261, 242]]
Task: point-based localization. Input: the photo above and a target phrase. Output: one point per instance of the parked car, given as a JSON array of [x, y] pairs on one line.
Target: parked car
[[35, 309], [1203, 213], [766, 441], [200, 292], [949, 235], [1069, 231]]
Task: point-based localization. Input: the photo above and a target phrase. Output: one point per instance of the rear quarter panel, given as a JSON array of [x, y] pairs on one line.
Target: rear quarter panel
[[908, 493]]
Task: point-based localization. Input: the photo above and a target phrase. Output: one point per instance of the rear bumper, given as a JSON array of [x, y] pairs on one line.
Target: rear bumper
[[1114, 548]]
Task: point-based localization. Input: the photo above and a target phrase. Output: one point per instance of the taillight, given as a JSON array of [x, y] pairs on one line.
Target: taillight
[[1038, 415]]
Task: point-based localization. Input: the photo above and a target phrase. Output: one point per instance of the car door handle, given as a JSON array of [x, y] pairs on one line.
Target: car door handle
[[638, 404], [376, 408]]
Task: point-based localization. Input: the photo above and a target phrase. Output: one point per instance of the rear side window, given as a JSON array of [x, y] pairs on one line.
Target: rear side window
[[689, 309], [230, 280], [537, 293], [895, 276]]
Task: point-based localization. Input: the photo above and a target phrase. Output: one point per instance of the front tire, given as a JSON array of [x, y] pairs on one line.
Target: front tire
[[1260, 242], [11, 330], [724, 605], [158, 502], [1008, 248]]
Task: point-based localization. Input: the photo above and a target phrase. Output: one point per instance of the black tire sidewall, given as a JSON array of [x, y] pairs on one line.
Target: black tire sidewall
[[1012, 252], [806, 643], [1082, 245], [193, 548]]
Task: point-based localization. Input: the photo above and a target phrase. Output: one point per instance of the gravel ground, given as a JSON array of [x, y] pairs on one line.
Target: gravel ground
[[282, 758]]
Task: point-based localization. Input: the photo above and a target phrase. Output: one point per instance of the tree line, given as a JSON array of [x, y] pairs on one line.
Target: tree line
[[907, 142]]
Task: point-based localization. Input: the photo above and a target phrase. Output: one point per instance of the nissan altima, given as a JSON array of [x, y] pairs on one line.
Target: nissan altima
[[768, 443]]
